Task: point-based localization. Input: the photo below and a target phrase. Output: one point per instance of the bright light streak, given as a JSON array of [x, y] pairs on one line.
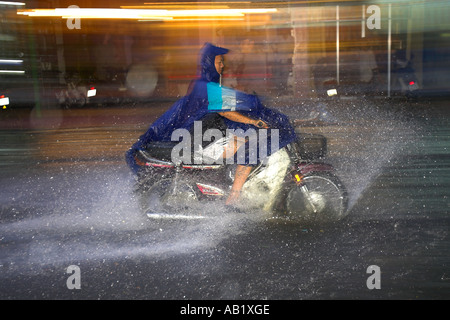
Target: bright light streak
[[141, 14], [95, 13], [196, 3], [12, 72], [10, 3], [5, 61], [218, 12]]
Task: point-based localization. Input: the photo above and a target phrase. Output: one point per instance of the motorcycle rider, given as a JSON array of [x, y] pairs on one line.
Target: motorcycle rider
[[238, 110]]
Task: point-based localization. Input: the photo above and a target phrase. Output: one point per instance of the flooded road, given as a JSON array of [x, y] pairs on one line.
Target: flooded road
[[67, 200]]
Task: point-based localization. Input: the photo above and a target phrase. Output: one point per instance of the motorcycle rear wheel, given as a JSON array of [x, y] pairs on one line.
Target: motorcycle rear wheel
[[321, 197], [164, 199]]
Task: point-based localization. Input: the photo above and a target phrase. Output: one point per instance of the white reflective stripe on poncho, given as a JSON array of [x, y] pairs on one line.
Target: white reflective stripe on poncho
[[220, 98]]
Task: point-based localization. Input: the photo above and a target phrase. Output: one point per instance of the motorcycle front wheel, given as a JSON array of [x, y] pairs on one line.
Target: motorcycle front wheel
[[320, 197]]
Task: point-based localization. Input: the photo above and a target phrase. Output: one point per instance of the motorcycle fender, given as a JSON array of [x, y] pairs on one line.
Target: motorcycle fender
[[305, 168], [297, 173]]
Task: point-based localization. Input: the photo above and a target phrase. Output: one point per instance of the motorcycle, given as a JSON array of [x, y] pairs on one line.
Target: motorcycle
[[294, 183], [404, 77], [75, 94]]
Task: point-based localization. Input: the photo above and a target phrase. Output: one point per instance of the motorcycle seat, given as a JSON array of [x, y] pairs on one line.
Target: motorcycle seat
[[161, 150]]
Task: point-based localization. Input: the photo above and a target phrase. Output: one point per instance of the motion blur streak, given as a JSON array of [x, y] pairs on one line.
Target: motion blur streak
[[280, 48], [106, 13]]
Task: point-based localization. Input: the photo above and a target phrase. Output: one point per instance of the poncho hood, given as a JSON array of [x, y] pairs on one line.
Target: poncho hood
[[207, 69]]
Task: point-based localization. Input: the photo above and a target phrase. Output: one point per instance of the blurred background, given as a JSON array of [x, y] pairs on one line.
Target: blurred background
[[78, 52], [81, 80]]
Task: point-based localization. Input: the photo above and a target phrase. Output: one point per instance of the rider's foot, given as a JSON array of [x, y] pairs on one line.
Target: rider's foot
[[233, 198], [240, 177]]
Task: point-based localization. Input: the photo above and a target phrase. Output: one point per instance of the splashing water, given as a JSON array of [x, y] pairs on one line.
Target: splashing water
[[46, 211], [363, 137], [83, 214]]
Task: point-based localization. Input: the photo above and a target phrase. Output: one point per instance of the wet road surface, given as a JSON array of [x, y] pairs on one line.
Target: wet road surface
[[67, 200]]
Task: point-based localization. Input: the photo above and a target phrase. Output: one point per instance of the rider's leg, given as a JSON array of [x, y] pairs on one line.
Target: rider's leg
[[240, 177], [242, 171]]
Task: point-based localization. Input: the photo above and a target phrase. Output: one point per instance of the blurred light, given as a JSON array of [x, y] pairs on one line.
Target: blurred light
[[10, 3], [332, 92], [67, 13], [411, 83], [195, 3], [4, 101], [12, 71], [142, 14], [91, 92], [7, 61], [142, 79]]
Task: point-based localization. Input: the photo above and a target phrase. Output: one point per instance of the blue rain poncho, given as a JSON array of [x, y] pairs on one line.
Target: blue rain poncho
[[205, 95]]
